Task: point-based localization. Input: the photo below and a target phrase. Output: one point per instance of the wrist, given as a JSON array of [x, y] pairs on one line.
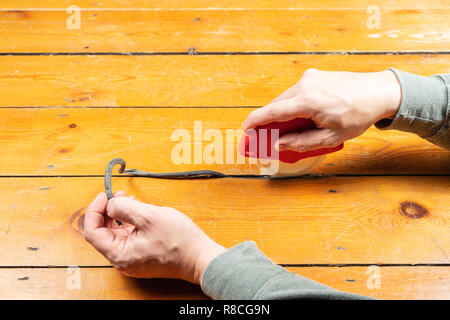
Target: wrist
[[392, 93], [207, 254]]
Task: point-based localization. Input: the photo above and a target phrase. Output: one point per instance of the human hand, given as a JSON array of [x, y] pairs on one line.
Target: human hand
[[152, 242], [342, 105]]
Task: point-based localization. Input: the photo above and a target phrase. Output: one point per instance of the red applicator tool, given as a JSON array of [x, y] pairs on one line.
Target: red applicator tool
[[258, 144]]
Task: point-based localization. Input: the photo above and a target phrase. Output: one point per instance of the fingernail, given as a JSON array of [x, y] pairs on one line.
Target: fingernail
[[98, 196], [281, 147]]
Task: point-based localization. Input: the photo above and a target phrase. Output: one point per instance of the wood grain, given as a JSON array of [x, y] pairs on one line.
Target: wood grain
[[107, 283], [82, 141], [395, 282], [98, 283], [323, 220], [225, 31], [224, 4], [327, 220], [178, 80]]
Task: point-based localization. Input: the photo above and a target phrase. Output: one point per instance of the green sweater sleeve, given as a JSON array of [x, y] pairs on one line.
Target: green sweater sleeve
[[424, 109], [244, 272]]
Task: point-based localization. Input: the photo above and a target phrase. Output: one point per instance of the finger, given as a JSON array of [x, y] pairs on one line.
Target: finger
[[110, 222], [113, 222], [130, 211], [95, 231], [94, 218], [289, 93], [283, 110], [120, 193], [308, 140]]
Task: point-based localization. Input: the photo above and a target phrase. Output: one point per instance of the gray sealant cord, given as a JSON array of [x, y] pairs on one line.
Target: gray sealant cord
[[198, 174]]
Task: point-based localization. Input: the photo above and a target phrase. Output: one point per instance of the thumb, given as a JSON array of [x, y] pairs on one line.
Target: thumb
[[282, 110], [308, 140], [130, 211]]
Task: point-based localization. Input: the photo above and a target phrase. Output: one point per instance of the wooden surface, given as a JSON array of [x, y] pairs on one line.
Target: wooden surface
[[330, 213], [64, 114], [107, 283], [179, 80], [251, 5], [72, 144], [224, 31]]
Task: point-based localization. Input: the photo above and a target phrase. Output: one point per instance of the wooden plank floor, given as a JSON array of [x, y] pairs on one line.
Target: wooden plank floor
[[224, 31], [72, 99]]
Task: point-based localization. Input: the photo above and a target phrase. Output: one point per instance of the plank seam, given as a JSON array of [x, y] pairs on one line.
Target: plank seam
[[308, 265], [365, 265], [130, 107], [223, 9], [310, 176], [211, 53]]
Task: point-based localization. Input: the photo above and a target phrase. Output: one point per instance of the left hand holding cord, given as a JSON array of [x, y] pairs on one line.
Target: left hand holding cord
[[152, 242]]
